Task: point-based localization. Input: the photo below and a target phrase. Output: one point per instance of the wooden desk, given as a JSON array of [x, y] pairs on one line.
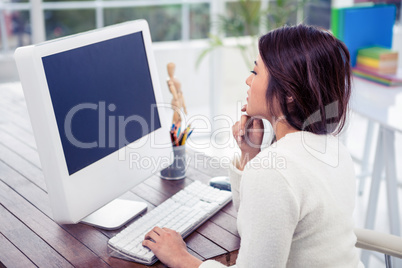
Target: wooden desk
[[29, 236]]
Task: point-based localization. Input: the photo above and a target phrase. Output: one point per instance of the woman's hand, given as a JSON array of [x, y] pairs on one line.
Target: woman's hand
[[248, 133], [169, 248]]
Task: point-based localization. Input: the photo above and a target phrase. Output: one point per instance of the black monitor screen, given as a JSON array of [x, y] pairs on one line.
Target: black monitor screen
[[102, 96]]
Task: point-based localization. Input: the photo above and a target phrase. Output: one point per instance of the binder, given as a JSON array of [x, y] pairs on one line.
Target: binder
[[364, 26]]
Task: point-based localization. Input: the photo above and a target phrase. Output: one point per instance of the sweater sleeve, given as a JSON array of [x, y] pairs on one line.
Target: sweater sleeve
[[235, 178], [269, 213], [268, 216]]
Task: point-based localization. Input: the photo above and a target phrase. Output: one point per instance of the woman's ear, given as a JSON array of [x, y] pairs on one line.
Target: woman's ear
[[289, 99]]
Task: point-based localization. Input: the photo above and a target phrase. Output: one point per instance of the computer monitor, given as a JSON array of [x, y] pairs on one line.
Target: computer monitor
[[94, 101]]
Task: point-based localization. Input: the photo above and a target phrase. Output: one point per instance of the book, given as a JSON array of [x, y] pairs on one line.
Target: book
[[378, 53], [377, 59], [384, 79], [336, 21], [382, 70], [364, 26]]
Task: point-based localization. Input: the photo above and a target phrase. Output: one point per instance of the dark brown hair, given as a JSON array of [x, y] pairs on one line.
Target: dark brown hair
[[312, 67]]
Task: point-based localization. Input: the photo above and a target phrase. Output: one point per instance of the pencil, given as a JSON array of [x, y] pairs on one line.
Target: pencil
[[183, 141], [188, 136], [180, 138]]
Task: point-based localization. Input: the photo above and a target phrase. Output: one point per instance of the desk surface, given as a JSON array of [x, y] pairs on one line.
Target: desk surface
[[28, 235], [377, 102]]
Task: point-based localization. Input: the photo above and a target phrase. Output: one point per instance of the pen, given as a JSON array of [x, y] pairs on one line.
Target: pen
[[188, 136], [172, 136], [179, 137]]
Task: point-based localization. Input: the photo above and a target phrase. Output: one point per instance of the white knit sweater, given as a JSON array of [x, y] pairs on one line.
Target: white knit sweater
[[295, 201]]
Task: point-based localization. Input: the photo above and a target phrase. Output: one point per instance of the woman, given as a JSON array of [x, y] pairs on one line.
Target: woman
[[297, 213]]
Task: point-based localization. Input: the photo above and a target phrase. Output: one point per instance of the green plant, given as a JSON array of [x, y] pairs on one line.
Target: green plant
[[247, 18]]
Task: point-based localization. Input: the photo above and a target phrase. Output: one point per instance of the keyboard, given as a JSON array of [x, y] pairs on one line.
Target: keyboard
[[183, 212]]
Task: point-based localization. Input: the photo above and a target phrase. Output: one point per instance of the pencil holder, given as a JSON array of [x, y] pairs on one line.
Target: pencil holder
[[177, 170]]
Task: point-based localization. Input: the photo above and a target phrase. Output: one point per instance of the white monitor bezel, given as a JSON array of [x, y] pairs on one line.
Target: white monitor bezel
[[75, 196]]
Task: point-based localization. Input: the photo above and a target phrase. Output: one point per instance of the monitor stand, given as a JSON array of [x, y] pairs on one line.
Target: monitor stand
[[115, 214]]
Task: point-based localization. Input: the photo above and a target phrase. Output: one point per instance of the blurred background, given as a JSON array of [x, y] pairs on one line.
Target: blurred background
[[212, 43], [180, 30]]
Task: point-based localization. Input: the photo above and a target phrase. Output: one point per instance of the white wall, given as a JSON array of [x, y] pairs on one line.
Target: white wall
[[228, 79], [234, 74], [8, 69], [342, 3], [397, 42], [195, 83]]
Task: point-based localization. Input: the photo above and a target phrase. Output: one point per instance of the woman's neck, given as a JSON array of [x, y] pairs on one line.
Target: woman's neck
[[281, 128]]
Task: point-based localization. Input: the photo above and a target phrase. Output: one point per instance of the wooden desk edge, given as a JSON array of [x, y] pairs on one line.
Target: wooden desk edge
[[228, 259]]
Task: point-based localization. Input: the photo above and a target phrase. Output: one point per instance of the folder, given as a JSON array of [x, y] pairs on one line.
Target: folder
[[364, 26]]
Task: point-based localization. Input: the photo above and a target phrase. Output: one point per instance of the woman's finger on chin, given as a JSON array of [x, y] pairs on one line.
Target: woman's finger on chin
[[244, 108]]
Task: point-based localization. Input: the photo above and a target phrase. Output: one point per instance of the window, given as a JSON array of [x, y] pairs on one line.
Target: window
[[64, 22], [168, 20], [14, 25], [165, 22]]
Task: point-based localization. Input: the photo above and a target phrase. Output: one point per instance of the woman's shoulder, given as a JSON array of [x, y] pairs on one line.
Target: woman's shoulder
[[274, 157], [300, 153], [302, 147]]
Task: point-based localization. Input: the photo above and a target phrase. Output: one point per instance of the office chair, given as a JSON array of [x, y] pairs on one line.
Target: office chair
[[389, 245]]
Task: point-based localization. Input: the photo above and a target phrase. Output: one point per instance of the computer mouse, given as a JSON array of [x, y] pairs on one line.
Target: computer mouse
[[221, 182]]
